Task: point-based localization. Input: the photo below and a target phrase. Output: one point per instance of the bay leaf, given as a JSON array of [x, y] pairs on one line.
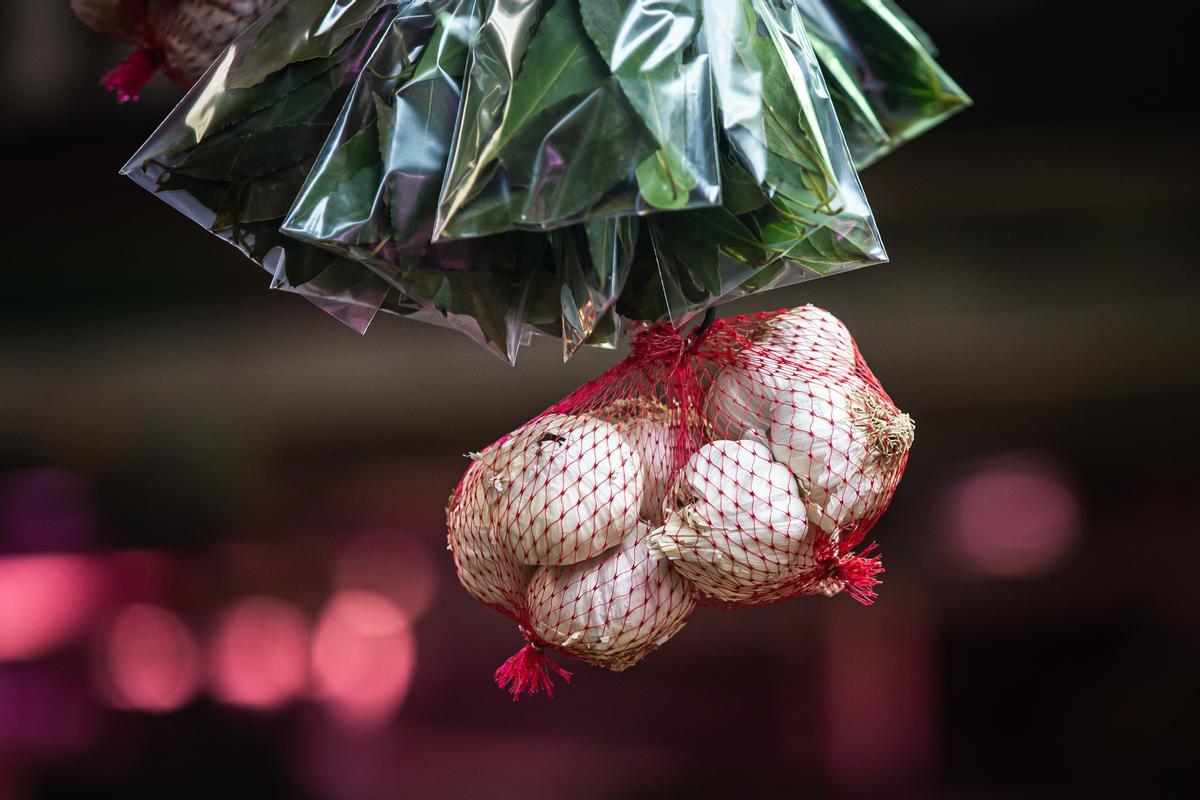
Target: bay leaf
[[300, 30]]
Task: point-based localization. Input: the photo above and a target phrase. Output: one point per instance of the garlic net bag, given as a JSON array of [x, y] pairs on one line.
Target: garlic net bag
[[739, 465]]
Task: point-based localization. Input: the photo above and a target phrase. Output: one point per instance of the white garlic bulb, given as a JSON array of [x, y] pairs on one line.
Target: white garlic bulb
[[486, 570], [736, 523], [563, 489], [815, 341], [804, 345], [652, 430], [613, 610], [845, 444]]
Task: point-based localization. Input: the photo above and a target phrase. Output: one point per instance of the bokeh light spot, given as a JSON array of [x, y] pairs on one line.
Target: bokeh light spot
[[259, 653], [44, 602], [392, 563], [1014, 516], [150, 660], [363, 656]]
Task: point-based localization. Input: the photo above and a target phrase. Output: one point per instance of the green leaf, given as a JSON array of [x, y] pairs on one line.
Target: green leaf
[[883, 78], [534, 152], [740, 192], [644, 45], [780, 143], [559, 63], [569, 166], [300, 30], [340, 199]]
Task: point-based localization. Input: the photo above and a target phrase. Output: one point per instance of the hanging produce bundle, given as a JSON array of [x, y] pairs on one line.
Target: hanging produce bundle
[[739, 466], [555, 167]]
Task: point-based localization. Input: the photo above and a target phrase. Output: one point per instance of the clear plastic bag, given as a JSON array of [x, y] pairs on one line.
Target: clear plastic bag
[[739, 466], [329, 143], [792, 205], [234, 153], [372, 194], [372, 197], [881, 72], [551, 133]]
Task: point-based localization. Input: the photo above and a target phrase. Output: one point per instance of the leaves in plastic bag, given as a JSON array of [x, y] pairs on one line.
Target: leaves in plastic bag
[[346, 186], [540, 115], [280, 43], [881, 72], [766, 106], [572, 166], [644, 45]]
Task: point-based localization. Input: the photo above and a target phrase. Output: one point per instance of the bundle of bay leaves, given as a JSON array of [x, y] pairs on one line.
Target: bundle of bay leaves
[[511, 167]]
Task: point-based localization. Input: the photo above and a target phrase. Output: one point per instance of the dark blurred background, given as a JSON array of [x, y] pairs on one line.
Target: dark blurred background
[[222, 547]]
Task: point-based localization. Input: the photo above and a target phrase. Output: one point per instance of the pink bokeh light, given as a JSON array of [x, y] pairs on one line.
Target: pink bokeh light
[[259, 653], [45, 601], [150, 660], [391, 563], [363, 656], [1014, 516]]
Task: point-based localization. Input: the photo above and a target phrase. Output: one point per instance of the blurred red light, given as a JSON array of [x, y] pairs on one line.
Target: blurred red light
[[391, 563], [363, 656], [44, 602], [259, 653], [1014, 516], [150, 660]]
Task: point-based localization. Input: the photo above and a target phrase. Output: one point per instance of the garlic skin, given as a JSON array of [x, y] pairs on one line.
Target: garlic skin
[[563, 489], [656, 444], [488, 573], [845, 444], [801, 346], [736, 524], [815, 341], [613, 610]]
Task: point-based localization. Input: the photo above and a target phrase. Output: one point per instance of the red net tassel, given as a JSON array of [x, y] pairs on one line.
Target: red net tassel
[[128, 78], [860, 575], [529, 671]]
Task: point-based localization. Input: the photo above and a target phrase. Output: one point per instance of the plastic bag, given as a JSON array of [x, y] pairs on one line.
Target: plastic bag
[[577, 111], [372, 197], [329, 144], [738, 466], [235, 152], [881, 72], [792, 206]]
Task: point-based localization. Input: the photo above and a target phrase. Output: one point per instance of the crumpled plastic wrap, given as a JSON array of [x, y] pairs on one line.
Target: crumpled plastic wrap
[[511, 168]]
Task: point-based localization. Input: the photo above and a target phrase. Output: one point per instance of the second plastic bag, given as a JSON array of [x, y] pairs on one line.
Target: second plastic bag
[[575, 111]]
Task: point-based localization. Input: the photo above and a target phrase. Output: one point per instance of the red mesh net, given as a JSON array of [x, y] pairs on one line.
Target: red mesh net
[[738, 466]]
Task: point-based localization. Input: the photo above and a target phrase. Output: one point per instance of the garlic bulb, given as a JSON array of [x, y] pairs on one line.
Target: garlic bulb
[[845, 444], [736, 524], [803, 345], [563, 489], [815, 341], [489, 573], [613, 610], [651, 429]]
